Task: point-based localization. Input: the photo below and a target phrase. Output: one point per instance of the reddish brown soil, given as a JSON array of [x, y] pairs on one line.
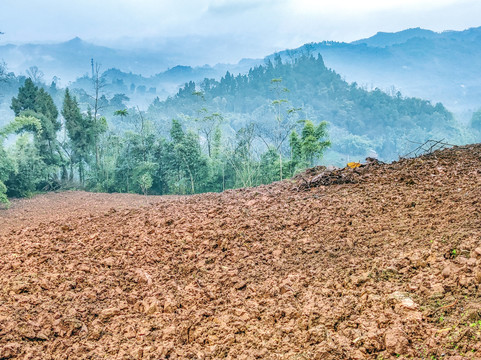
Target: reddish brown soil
[[385, 266]]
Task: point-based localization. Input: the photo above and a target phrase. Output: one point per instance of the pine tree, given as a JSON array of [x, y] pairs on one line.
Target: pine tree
[[44, 105], [25, 100], [37, 114], [81, 132]]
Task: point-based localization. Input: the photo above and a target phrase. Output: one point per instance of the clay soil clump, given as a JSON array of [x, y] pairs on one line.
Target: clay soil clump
[[385, 265]]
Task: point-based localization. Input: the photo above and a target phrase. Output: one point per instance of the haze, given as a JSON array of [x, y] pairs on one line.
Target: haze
[[228, 30]]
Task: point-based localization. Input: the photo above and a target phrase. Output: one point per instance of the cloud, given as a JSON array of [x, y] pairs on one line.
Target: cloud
[[344, 7], [232, 8], [260, 24]]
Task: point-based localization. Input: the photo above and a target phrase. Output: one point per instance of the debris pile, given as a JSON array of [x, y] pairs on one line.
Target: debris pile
[[325, 176]]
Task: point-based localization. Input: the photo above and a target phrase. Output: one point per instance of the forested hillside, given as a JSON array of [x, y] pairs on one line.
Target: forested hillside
[[441, 67], [243, 130], [361, 122], [66, 146]]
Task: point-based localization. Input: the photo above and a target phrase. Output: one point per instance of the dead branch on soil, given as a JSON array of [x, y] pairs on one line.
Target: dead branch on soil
[[427, 148]]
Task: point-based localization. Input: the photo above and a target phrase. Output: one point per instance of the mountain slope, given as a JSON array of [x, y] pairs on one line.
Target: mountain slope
[[441, 67], [360, 121], [71, 59], [387, 267], [383, 39]]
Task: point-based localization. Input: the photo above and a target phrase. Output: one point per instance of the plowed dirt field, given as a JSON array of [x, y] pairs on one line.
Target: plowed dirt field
[[384, 262]]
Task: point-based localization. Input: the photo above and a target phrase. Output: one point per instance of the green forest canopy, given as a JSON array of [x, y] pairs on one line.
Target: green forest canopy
[[239, 131]]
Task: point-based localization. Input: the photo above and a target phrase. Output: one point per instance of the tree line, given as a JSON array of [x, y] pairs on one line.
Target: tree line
[[73, 148], [237, 131], [360, 120]]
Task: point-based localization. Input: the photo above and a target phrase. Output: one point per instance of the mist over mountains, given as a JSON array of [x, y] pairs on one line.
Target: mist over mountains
[[71, 59], [130, 117], [441, 67]]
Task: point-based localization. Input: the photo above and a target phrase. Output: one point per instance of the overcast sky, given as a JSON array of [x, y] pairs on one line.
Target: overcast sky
[[259, 26]]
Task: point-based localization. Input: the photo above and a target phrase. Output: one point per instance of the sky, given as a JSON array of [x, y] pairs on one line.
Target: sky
[[255, 27]]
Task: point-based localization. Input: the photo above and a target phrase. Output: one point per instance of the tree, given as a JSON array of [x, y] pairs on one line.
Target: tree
[[217, 163], [35, 106], [28, 169], [37, 101], [73, 120], [25, 100], [308, 148], [176, 132], [135, 166], [188, 154], [30, 172], [35, 74], [99, 102], [47, 113], [3, 69], [3, 72], [296, 148], [284, 121], [242, 157], [82, 131], [23, 123], [43, 149], [44, 105], [314, 141], [122, 113], [269, 166], [143, 175], [117, 101], [208, 123], [3, 194], [6, 168]]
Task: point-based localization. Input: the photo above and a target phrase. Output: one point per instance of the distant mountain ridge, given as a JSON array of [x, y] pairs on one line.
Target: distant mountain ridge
[[69, 60], [383, 39], [442, 67]]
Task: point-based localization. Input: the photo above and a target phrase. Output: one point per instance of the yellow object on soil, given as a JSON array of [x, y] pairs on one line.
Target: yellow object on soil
[[353, 165]]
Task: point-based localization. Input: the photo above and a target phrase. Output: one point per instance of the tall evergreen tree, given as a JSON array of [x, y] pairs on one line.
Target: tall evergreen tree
[[44, 105], [81, 132], [26, 98], [36, 113]]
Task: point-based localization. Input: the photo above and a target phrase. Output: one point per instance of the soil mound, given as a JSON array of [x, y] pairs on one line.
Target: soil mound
[[323, 176], [385, 266]]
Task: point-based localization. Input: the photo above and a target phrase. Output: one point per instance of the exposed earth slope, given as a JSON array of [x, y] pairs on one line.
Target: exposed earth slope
[[387, 263]]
